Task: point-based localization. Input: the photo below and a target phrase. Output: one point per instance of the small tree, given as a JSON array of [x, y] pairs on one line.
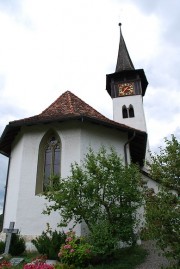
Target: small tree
[[103, 193], [163, 208]]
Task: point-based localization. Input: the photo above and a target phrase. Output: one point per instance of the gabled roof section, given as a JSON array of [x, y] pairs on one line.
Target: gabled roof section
[[123, 61]]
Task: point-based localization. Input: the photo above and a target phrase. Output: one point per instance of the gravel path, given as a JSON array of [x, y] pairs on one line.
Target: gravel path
[[153, 260]]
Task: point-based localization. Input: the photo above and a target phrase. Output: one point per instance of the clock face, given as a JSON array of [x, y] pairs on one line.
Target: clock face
[[126, 89]]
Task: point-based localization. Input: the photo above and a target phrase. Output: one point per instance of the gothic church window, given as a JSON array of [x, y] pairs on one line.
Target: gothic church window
[[48, 160]]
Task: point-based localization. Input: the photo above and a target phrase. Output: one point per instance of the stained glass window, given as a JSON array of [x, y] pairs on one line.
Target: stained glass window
[[51, 159]]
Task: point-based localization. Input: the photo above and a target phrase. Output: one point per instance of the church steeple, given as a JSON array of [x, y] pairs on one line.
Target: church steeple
[[127, 86], [123, 60]]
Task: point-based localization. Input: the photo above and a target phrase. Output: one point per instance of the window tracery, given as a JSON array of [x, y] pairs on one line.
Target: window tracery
[[49, 160]]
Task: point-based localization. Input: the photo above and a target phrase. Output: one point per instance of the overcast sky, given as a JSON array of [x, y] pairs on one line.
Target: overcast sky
[[50, 46]]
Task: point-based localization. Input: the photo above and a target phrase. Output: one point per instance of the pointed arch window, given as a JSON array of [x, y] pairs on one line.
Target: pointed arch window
[[48, 160], [124, 112], [51, 159], [128, 112], [131, 111]]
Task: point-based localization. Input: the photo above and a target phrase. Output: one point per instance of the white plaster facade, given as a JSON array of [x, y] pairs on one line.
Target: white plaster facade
[[22, 205], [138, 121]]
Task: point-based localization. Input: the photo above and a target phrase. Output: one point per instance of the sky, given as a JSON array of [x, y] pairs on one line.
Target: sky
[[50, 46]]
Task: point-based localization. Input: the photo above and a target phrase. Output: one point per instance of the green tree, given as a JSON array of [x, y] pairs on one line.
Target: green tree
[[102, 192], [163, 208]]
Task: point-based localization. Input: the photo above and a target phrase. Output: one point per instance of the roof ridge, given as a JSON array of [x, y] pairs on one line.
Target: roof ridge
[[70, 101]]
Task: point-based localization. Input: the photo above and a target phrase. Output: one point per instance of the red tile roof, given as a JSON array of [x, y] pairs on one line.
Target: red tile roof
[[68, 105]]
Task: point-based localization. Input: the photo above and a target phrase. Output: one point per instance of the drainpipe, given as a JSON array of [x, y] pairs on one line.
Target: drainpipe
[[125, 147], [6, 187]]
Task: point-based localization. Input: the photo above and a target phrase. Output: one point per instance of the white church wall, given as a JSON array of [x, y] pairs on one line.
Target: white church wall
[[138, 121], [13, 182], [28, 206], [95, 136]]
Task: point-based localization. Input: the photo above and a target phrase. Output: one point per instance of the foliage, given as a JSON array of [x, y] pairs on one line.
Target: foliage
[[17, 245], [171, 267], [103, 241], [64, 266], [127, 258], [163, 223], [99, 191], [163, 208], [75, 251], [49, 242], [165, 166], [5, 264], [2, 247]]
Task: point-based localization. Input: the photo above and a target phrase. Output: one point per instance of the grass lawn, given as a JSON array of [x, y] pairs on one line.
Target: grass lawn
[[123, 259]]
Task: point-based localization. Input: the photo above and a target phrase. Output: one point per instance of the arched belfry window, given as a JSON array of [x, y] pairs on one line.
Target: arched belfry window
[[131, 111], [48, 160], [124, 112], [127, 112]]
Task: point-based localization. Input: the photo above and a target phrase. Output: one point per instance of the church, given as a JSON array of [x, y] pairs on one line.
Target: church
[[50, 142]]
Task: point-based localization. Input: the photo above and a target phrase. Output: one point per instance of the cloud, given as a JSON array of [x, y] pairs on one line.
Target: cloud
[[10, 6], [9, 112]]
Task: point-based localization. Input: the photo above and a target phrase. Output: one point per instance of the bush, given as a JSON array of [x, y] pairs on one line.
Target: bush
[[5, 264], [17, 246], [103, 241], [2, 247], [64, 266], [76, 251], [38, 266], [49, 243]]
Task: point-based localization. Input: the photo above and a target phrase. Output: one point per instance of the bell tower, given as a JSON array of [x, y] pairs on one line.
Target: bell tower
[[127, 86]]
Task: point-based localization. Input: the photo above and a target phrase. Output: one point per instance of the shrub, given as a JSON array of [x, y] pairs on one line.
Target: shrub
[[76, 251], [64, 266], [17, 246], [49, 242], [2, 247], [38, 266], [103, 242], [5, 264]]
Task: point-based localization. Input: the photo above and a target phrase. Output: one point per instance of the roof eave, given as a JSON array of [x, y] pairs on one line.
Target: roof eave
[[13, 128]]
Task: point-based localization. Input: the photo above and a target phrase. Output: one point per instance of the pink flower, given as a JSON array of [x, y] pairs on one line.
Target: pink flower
[[72, 250], [60, 254], [67, 246], [69, 239], [38, 266]]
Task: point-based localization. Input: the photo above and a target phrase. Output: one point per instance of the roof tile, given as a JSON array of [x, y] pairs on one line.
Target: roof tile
[[67, 105]]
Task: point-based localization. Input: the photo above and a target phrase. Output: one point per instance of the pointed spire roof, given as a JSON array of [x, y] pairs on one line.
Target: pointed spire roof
[[123, 61]]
